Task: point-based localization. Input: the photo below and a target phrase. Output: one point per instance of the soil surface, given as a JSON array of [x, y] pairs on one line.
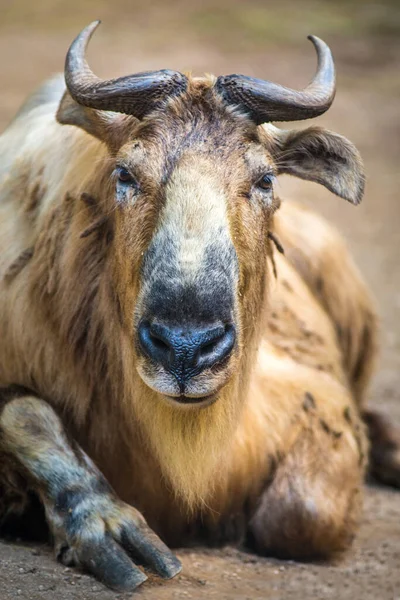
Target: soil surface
[[265, 41]]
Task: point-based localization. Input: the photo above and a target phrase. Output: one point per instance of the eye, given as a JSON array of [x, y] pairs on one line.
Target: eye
[[124, 176], [265, 183]]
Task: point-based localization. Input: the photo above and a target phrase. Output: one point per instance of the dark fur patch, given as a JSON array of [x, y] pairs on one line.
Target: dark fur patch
[[35, 195], [309, 402], [365, 349], [98, 224], [329, 430], [88, 200], [19, 263], [274, 238], [325, 426], [319, 285], [347, 415]]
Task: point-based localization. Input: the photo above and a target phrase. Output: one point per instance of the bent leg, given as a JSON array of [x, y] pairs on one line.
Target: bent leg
[[311, 508], [91, 527]]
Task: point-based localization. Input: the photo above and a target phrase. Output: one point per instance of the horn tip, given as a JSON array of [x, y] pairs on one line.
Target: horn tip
[[316, 41], [318, 44], [94, 24]]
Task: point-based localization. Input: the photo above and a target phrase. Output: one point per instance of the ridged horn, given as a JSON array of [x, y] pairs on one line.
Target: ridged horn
[[266, 101], [133, 94]]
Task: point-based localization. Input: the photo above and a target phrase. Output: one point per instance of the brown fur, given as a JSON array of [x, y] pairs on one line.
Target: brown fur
[[275, 446]]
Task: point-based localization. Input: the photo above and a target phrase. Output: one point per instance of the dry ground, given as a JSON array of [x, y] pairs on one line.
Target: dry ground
[[266, 40]]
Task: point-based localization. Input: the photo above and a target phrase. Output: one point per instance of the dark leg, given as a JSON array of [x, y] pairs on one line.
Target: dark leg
[[91, 527]]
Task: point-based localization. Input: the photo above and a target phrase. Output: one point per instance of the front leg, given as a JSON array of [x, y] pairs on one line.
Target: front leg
[[91, 527], [311, 506]]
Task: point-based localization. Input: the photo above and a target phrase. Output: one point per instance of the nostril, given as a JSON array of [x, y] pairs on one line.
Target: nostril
[[215, 351], [210, 347], [159, 342], [152, 343]]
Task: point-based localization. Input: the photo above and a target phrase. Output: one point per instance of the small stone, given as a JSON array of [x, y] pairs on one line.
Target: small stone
[[35, 552], [94, 588], [21, 570], [41, 588]]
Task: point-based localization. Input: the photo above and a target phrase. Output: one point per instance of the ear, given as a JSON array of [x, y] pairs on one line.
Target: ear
[[319, 155], [111, 128]]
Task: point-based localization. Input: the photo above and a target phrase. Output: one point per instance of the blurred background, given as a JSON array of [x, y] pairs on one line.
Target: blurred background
[[266, 39]]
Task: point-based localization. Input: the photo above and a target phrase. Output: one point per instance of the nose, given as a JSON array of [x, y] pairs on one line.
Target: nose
[[186, 352]]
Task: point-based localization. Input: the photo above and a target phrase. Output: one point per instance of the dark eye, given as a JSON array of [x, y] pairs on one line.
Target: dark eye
[[124, 176], [265, 183]]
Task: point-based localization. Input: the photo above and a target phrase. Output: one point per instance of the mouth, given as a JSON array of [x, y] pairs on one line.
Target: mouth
[[201, 391], [192, 400]]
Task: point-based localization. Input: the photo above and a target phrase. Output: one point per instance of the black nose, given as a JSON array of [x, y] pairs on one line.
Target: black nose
[[186, 352]]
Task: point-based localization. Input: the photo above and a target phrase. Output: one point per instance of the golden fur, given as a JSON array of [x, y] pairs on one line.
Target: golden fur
[[290, 413]]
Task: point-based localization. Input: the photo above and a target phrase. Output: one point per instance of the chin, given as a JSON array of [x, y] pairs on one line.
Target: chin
[[200, 392]]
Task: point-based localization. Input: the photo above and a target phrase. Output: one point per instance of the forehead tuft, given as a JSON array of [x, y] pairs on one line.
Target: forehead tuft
[[198, 117]]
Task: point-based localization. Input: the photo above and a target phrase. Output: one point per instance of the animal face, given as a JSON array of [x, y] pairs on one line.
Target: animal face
[[193, 190], [192, 197]]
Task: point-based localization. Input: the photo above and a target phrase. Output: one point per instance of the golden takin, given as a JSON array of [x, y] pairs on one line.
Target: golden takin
[[168, 375]]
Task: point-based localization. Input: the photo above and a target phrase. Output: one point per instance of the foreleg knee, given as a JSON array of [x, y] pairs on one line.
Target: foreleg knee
[[311, 508]]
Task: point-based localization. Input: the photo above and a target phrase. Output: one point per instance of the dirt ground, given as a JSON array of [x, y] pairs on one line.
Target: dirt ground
[[264, 39]]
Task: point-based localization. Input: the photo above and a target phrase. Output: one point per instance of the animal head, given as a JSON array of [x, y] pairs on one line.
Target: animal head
[[190, 186]]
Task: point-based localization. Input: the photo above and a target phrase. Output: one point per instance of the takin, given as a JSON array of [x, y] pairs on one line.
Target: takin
[[168, 374]]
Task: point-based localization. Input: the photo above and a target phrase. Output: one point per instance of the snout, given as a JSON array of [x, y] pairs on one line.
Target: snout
[[185, 352]]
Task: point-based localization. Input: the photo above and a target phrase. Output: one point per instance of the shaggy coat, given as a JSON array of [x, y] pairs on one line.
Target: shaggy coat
[[277, 458]]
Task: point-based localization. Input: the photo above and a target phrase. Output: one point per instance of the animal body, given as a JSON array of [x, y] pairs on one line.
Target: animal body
[[163, 367]]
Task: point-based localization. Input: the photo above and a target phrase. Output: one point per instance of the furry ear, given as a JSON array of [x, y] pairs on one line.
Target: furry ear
[[111, 128], [319, 155]]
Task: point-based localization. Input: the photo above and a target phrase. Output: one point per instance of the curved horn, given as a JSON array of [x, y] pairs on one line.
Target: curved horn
[[134, 94], [266, 101]]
